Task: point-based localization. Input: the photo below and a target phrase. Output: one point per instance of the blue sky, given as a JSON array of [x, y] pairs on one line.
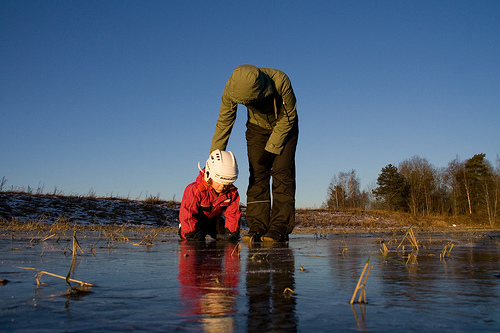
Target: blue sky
[[121, 97]]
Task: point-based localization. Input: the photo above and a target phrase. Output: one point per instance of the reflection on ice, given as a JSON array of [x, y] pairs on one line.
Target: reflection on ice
[[208, 277], [303, 286], [269, 272]]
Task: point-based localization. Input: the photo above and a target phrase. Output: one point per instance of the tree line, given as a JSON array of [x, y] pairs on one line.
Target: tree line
[[470, 187]]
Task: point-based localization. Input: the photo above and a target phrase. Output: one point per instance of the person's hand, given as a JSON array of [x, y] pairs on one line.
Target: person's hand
[[229, 236], [195, 235], [267, 159]]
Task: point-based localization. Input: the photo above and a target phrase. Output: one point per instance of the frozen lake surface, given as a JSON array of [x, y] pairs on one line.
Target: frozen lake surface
[[451, 284]]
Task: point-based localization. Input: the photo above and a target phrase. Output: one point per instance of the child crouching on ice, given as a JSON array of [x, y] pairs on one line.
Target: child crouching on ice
[[210, 197]]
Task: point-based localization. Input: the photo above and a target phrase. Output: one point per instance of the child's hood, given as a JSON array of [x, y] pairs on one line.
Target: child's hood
[[200, 180]]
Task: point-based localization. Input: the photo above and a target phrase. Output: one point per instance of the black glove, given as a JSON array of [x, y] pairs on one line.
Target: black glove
[[229, 236], [195, 235], [267, 159]]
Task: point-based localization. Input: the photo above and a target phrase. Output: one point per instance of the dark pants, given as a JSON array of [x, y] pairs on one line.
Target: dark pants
[[206, 226], [261, 216]]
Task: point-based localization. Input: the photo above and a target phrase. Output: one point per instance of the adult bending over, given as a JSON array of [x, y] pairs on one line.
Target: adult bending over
[[272, 134]]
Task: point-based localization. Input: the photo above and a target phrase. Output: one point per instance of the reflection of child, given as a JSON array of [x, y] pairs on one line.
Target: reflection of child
[[206, 200], [211, 302]]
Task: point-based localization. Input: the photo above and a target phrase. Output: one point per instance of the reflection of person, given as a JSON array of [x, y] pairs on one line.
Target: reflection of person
[[210, 205], [269, 273], [209, 277], [272, 134]]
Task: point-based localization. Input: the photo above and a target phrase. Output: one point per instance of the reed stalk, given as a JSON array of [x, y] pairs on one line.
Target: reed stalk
[[40, 273], [446, 252], [361, 286], [384, 250], [236, 249], [410, 235]]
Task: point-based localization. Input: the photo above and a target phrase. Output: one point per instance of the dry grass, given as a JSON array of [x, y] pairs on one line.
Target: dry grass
[[410, 236], [446, 252], [41, 209], [361, 286], [36, 232], [41, 273], [82, 288], [349, 221], [384, 250]]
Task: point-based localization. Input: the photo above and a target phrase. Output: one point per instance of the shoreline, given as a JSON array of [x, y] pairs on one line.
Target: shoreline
[[21, 211]]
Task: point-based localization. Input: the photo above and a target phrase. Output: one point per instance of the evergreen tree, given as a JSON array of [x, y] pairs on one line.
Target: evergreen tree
[[392, 188], [477, 180]]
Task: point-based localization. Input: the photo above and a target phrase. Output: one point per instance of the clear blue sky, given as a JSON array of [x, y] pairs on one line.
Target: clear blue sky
[[121, 97]]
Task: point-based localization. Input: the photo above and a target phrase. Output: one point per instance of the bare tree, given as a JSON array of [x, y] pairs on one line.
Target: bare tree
[[420, 175], [3, 181], [453, 183], [344, 192], [441, 195], [496, 189]]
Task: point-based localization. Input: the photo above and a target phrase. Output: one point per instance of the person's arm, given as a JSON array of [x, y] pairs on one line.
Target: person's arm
[[233, 218], [187, 213], [225, 122], [233, 214], [287, 113]]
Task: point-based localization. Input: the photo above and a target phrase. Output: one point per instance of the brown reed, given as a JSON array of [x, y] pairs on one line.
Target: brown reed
[[362, 294]]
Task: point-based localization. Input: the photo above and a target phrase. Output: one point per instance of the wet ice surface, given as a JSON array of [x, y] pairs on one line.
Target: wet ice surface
[[175, 286]]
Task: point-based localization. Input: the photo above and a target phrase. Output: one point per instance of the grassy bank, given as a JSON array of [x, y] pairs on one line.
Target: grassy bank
[[23, 211]]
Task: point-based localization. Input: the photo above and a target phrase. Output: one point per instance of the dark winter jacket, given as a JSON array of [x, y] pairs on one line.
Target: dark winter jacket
[[268, 95]]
